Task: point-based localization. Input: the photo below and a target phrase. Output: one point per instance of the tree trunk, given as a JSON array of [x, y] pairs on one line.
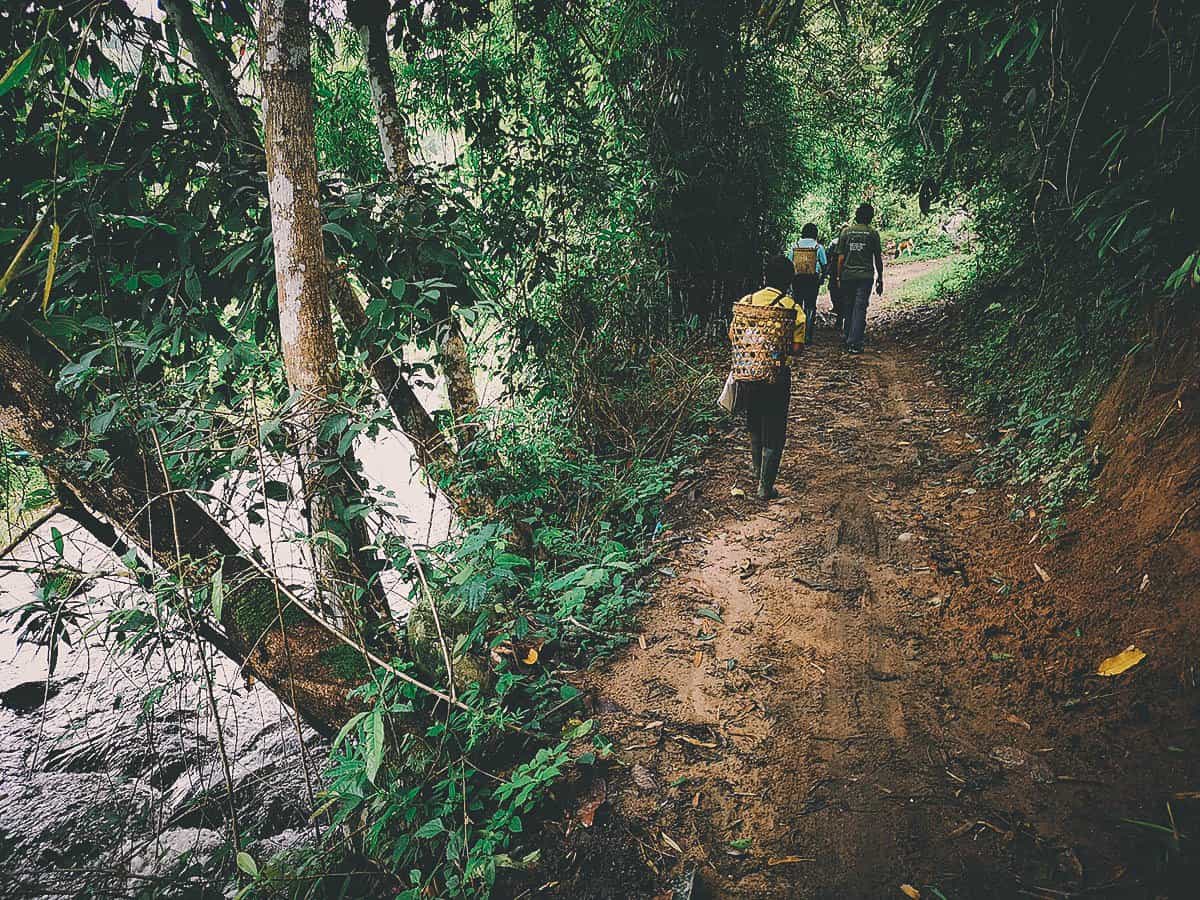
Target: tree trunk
[[370, 19], [212, 69], [303, 663], [310, 355], [429, 444]]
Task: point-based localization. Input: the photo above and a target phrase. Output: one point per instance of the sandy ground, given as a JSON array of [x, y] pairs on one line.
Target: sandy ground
[[819, 707]]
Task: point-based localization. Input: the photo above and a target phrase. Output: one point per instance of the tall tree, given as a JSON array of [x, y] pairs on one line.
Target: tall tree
[[370, 19], [306, 338], [431, 447]]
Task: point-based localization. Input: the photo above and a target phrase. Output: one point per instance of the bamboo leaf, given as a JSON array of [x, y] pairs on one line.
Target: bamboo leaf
[[51, 263], [21, 251], [17, 71], [373, 751]]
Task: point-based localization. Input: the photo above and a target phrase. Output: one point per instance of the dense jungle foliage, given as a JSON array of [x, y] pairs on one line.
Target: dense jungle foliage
[[591, 185]]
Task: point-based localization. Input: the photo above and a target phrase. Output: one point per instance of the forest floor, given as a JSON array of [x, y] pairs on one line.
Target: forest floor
[[867, 688]]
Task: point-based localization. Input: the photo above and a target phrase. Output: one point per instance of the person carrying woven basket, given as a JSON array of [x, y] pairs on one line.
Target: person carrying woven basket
[[766, 402]]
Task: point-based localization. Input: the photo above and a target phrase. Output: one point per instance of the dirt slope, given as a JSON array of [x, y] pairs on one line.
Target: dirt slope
[[868, 684]]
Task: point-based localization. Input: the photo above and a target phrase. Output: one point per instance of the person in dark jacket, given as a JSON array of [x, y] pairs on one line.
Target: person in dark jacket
[[836, 294]]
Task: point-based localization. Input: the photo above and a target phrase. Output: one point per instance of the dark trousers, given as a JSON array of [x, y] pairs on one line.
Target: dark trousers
[[837, 301], [767, 409], [856, 299], [805, 293]]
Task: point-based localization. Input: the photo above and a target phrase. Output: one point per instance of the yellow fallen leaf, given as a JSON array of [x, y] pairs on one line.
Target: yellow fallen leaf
[[785, 860], [531, 657], [736, 492], [698, 659], [1126, 659], [909, 891]]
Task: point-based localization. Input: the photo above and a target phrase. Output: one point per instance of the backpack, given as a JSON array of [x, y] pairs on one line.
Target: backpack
[[804, 260]]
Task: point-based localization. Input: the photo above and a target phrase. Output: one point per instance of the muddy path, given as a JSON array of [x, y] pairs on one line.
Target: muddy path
[[815, 706]]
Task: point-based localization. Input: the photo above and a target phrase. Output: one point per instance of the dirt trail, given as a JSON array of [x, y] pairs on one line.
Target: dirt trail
[[800, 717]]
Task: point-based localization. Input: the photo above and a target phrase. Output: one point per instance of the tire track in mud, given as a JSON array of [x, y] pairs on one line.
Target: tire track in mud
[[782, 708]]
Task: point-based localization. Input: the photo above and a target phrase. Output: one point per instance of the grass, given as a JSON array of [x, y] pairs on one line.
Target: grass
[[950, 273]]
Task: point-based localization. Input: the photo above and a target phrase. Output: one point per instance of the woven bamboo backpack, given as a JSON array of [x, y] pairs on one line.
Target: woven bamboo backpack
[[761, 337]]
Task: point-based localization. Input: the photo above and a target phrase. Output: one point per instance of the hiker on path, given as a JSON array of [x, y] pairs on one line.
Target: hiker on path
[[860, 255], [766, 403], [836, 294], [810, 263]]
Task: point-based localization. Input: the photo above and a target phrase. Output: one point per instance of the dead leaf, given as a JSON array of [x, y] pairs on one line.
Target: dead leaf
[[642, 641], [698, 659], [671, 843], [644, 778], [1042, 574], [909, 891], [696, 801], [787, 860], [1017, 720], [593, 801], [1126, 659], [1010, 757], [694, 742]]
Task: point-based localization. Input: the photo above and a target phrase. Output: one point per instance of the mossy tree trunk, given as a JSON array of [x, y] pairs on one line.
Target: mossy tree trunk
[[302, 662]]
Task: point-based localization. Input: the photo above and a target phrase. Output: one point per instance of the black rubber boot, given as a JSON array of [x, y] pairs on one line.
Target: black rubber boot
[[756, 459], [770, 470]]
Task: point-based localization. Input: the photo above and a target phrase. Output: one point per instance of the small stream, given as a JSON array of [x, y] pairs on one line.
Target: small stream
[[111, 775]]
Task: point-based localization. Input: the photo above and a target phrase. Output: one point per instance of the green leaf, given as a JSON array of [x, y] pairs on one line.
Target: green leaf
[[17, 71], [246, 863], [338, 230], [57, 539], [329, 537], [710, 614], [347, 728], [101, 422], [51, 264], [277, 490], [430, 829]]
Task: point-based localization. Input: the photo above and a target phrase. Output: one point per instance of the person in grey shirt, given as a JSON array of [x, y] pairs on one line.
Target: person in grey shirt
[[860, 255]]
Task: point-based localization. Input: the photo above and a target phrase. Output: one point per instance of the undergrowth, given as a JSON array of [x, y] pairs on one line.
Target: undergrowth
[[1032, 351], [441, 805]]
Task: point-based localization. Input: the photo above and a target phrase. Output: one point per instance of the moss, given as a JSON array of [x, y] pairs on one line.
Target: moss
[[254, 610], [426, 650], [345, 662]]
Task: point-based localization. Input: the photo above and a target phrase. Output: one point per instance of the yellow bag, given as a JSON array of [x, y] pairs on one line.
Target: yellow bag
[[762, 339]]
